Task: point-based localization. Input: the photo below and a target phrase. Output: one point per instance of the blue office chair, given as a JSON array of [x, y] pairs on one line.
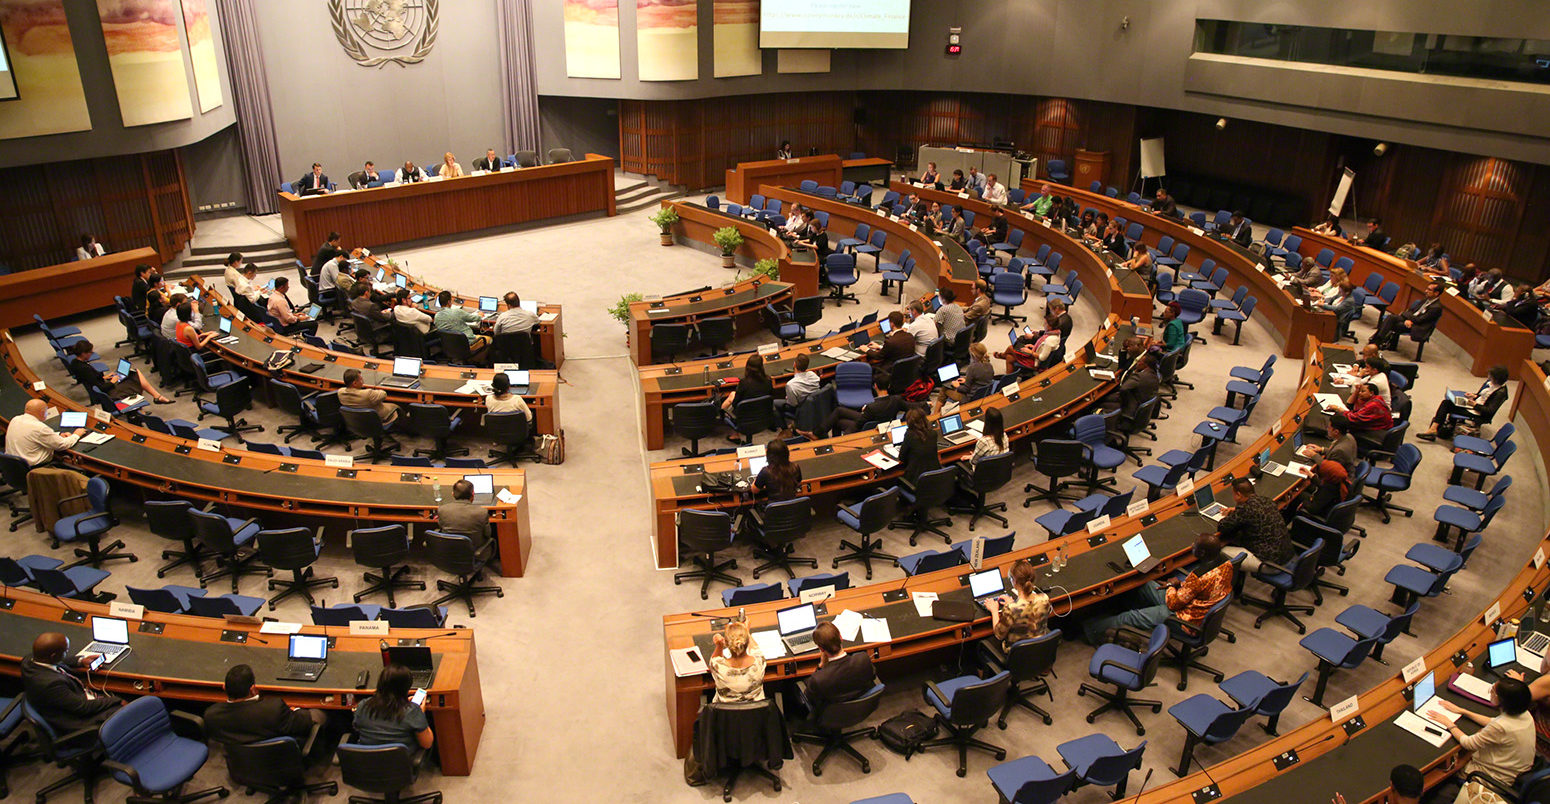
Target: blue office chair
[[1335, 649], [930, 561], [863, 231], [231, 541], [840, 272], [143, 752], [834, 728], [1027, 660], [90, 526], [1299, 575], [385, 769], [242, 605], [853, 384], [838, 580], [872, 515], [1252, 689], [1129, 671], [1412, 582], [1482, 446], [930, 490], [1206, 721], [1385, 482], [169, 599], [1468, 523], [750, 594], [964, 705], [1093, 430], [994, 546], [1189, 641], [1482, 466], [342, 614], [874, 247], [1369, 623], [1056, 168], [78, 750], [419, 616], [71, 583], [1008, 290], [18, 571], [1101, 762], [1030, 780], [276, 766]]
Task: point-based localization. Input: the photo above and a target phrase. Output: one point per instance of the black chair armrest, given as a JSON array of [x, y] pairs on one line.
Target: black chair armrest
[[1135, 632], [119, 767], [59, 506], [312, 736], [1111, 663], [108, 515], [1270, 565], [77, 736], [847, 509], [193, 724], [931, 687], [992, 654]]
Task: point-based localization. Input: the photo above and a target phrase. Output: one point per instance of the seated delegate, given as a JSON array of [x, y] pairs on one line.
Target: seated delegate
[[1479, 406], [1187, 600], [62, 700], [753, 384], [284, 313], [462, 516], [355, 394], [117, 387], [918, 453], [30, 438], [841, 675], [1025, 614], [314, 183], [736, 666], [389, 716], [1502, 749], [1254, 526], [247, 716], [459, 320], [89, 248]]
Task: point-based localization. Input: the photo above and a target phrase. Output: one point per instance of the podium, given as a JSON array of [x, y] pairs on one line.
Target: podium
[[1091, 166]]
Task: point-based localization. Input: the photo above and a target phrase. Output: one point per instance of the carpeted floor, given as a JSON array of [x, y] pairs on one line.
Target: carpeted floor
[[571, 658]]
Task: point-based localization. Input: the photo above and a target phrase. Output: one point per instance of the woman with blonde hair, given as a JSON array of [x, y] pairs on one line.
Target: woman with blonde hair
[[737, 666], [1024, 615], [976, 378], [450, 169]]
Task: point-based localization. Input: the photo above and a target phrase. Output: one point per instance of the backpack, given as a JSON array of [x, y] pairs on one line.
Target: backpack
[[905, 732]]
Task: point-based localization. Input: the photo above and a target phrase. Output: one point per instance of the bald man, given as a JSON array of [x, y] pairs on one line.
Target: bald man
[[32, 440], [59, 697]]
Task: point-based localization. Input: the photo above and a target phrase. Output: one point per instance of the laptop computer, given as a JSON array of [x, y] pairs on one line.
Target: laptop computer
[[946, 374], [314, 311], [489, 304], [987, 584], [401, 280], [756, 465], [895, 438], [530, 305], [483, 485], [1426, 704], [124, 367], [1139, 555], [225, 325], [859, 339], [406, 373], [72, 419], [520, 380], [1501, 654], [796, 626], [305, 658], [1206, 504], [417, 658], [381, 272], [936, 303], [953, 429], [887, 326], [109, 637]]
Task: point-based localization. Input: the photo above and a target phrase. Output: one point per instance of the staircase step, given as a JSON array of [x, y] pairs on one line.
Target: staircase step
[[224, 250], [248, 256], [618, 190], [649, 203]]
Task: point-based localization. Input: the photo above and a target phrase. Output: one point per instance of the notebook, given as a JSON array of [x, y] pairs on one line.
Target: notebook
[[406, 373]]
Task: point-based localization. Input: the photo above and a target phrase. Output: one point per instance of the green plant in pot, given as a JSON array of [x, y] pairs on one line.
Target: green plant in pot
[[621, 309], [767, 268], [728, 238], [664, 218]]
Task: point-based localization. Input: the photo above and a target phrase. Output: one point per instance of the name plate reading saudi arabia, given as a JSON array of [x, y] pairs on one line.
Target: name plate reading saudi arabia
[[342, 461]]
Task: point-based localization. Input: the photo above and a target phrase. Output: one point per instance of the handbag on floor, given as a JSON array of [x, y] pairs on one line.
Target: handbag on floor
[[551, 448]]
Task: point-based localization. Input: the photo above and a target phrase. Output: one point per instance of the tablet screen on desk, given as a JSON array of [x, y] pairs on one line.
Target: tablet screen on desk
[[1136, 550], [225, 325], [1424, 690], [1501, 653]]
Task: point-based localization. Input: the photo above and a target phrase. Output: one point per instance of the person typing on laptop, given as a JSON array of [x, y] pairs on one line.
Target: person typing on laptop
[[1254, 526], [840, 676], [459, 320], [117, 386], [1502, 749], [1025, 614], [61, 699], [462, 516], [355, 394], [1186, 599], [737, 666], [30, 438], [391, 716]]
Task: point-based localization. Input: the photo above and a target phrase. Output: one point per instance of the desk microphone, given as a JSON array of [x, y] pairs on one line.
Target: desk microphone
[[1326, 738], [1144, 781], [1202, 767], [66, 604]]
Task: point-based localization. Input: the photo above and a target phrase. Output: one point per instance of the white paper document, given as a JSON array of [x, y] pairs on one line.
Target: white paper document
[[769, 643], [849, 623], [1474, 686], [879, 460], [923, 601], [96, 438], [874, 630], [276, 627], [1421, 727], [687, 662]]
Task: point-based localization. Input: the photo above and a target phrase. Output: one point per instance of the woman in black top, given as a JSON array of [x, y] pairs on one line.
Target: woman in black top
[[140, 287], [1330, 486], [1114, 240], [958, 182], [780, 479], [918, 452], [754, 384]]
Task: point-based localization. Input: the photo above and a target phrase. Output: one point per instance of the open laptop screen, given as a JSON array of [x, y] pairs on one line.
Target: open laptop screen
[[796, 619], [306, 646], [488, 304], [519, 378], [987, 583], [950, 424], [401, 280], [947, 373], [1424, 690], [897, 434], [225, 325], [886, 325], [1136, 550], [124, 367], [406, 366], [72, 419], [1502, 653], [1204, 496], [483, 484], [110, 629]]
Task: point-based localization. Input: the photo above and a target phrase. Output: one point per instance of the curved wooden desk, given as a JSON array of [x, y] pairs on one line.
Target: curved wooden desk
[[699, 223], [1129, 293], [551, 333], [746, 297], [261, 482], [1289, 321], [439, 384], [943, 259], [748, 177], [188, 659], [1474, 330], [1088, 577], [384, 215], [56, 291]]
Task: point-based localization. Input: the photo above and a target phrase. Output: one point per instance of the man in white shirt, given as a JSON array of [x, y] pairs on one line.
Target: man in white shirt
[[89, 248], [29, 438], [995, 191], [803, 383], [233, 273], [169, 321], [514, 318], [247, 284], [328, 277], [406, 313], [922, 325]]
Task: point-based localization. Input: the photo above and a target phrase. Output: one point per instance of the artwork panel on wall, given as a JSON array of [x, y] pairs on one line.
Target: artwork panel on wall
[[145, 55], [592, 38], [801, 61], [201, 48], [736, 34], [667, 36], [51, 98]]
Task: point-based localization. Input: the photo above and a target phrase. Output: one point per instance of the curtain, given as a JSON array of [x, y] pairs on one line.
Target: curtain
[[255, 114], [519, 95]]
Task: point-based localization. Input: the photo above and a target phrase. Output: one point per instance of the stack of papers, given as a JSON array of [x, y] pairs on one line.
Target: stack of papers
[[923, 601], [545, 318], [683, 664], [478, 387], [1100, 374], [849, 623], [874, 630], [879, 460], [1423, 728], [840, 353], [769, 643], [1473, 686], [1329, 402]]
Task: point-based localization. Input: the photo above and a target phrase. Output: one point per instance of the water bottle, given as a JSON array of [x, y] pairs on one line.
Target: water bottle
[[705, 375], [1054, 561], [436, 488], [1064, 557], [742, 614]]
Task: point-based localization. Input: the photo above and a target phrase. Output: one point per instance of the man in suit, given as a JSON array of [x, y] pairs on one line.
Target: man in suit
[[975, 183], [1239, 230], [366, 175], [1419, 320], [1480, 406], [489, 162], [355, 394], [60, 698], [1063, 323], [330, 250], [462, 516], [1376, 237], [1137, 388], [840, 676], [314, 183], [1164, 203], [248, 717], [1342, 445]]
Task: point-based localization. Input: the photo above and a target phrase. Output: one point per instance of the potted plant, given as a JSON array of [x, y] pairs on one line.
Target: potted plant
[[728, 238], [621, 310], [767, 268], [664, 218]]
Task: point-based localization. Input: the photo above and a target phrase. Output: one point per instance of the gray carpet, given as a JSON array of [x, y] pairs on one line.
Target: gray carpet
[[571, 658]]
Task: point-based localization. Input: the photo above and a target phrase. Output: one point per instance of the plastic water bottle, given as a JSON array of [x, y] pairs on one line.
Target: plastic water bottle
[[705, 375], [436, 488], [1064, 558]]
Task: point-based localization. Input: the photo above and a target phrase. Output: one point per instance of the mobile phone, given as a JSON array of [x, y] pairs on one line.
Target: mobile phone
[[97, 662], [418, 698], [693, 655]]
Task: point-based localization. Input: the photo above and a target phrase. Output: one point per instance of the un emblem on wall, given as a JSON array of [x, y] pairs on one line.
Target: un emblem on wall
[[376, 32]]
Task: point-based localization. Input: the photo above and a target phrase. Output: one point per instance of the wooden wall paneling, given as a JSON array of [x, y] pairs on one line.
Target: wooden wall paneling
[[1530, 257]]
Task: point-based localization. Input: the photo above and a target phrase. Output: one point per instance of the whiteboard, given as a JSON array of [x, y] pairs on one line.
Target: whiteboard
[[1341, 191], [1152, 159]]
